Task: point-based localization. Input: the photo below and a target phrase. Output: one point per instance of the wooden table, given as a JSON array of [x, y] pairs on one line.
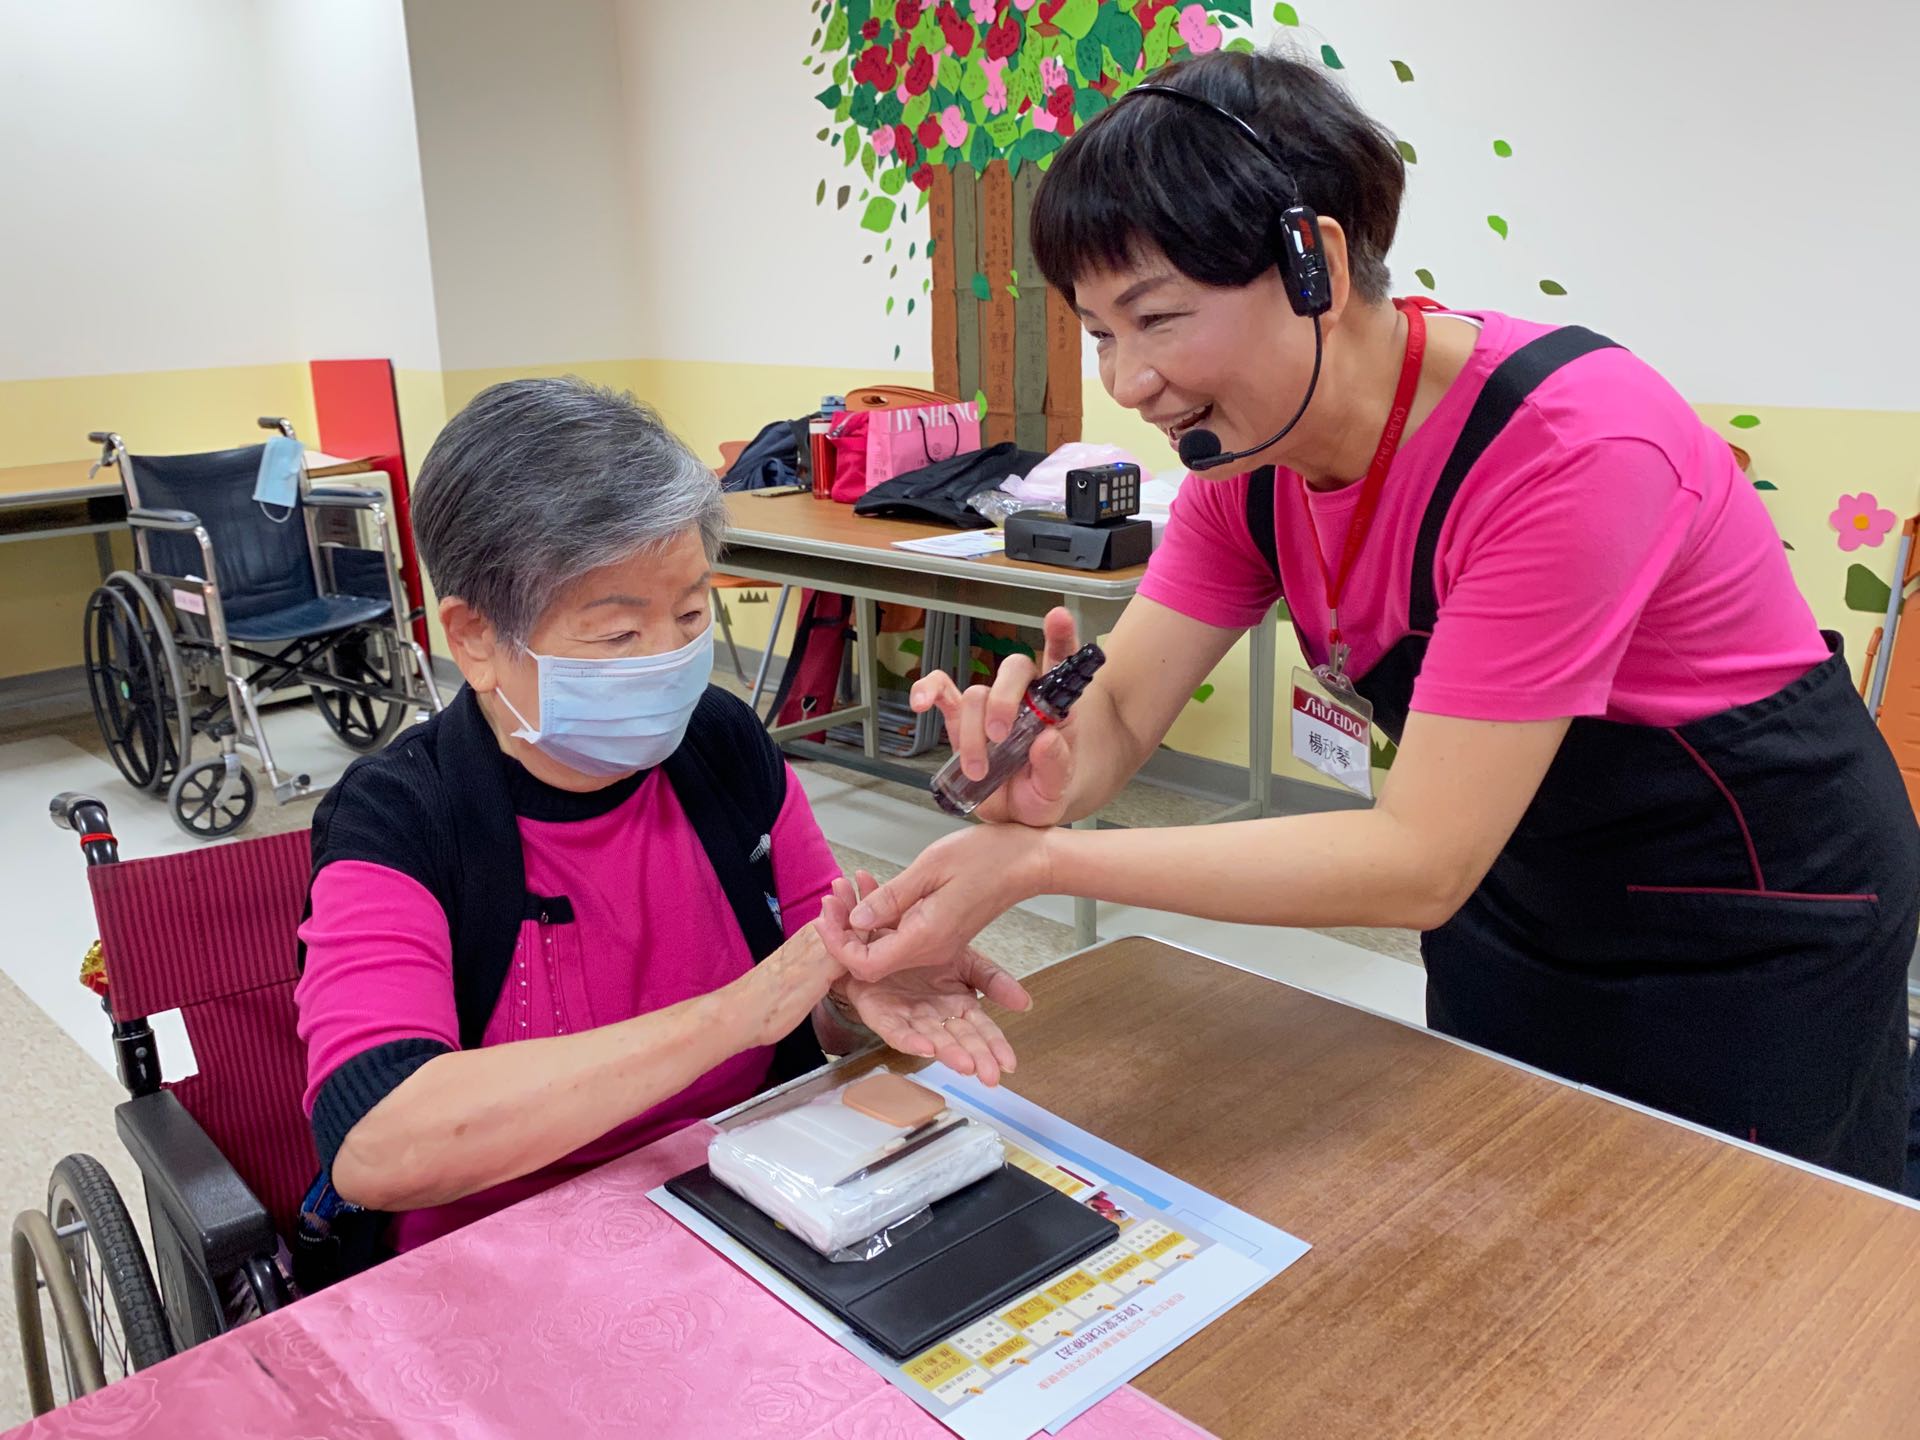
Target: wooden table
[[1496, 1253], [798, 540]]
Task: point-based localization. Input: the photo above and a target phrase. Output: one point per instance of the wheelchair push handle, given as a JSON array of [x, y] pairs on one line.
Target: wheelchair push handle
[[87, 818], [278, 422]]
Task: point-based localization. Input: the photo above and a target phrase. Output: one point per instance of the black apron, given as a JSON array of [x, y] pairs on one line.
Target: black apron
[[1713, 919]]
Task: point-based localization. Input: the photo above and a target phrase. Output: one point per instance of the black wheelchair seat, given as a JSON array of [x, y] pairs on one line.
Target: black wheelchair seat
[[317, 615]]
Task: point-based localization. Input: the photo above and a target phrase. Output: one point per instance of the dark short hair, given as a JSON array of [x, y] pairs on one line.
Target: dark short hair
[[536, 482], [1153, 172]]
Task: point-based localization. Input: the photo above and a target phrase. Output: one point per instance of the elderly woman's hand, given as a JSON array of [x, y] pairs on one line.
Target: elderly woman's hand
[[782, 990], [933, 1011]]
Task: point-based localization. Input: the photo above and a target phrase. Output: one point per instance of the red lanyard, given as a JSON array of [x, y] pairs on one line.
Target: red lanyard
[[1376, 479]]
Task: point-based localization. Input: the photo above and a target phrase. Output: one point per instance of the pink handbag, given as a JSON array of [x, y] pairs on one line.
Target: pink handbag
[[873, 446]]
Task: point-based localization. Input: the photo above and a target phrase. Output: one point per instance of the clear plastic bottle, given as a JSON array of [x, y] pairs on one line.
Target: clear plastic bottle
[[1048, 700]]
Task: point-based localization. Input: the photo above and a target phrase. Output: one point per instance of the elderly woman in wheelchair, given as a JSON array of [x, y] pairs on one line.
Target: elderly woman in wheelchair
[[573, 912]]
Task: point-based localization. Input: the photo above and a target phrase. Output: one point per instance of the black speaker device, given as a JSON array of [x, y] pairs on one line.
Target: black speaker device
[[1046, 537]]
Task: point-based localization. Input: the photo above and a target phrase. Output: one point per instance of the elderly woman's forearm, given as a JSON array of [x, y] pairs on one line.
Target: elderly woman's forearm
[[472, 1119]]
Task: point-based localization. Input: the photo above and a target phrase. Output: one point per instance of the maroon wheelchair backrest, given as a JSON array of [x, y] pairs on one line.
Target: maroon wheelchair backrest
[[211, 933]]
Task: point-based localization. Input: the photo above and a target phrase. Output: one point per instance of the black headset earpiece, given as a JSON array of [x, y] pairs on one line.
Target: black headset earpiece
[[1296, 236]]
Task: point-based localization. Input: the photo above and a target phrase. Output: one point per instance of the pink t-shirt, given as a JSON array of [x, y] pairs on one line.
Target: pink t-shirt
[[651, 927], [1605, 557]]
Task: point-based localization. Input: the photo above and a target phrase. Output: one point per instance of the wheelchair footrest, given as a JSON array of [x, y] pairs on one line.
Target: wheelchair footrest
[[292, 788]]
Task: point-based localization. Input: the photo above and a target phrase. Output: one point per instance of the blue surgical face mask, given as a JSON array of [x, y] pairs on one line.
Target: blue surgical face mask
[[613, 717]]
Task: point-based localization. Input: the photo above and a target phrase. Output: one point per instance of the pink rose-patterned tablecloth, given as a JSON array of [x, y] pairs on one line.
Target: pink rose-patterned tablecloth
[[584, 1311]]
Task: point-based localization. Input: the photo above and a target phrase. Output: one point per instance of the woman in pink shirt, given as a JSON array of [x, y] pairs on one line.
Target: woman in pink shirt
[[1651, 836], [575, 911]]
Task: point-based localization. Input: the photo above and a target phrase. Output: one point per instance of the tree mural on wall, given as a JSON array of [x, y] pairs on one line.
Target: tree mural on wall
[[954, 107]]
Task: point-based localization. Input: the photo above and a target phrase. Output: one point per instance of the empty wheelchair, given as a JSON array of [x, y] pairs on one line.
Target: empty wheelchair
[[229, 603], [226, 1154]]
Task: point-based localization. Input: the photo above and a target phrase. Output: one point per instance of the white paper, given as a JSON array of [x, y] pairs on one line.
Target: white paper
[[964, 545]]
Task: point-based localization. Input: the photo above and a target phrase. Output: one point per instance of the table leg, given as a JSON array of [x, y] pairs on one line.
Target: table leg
[[1086, 913], [1260, 714], [865, 617], [103, 552]]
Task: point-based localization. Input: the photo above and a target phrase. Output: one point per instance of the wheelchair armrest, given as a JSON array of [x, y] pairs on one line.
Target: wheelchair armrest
[[163, 519], [344, 497], [188, 1177]]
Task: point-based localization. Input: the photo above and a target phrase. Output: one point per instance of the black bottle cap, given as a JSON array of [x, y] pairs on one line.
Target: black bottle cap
[[1061, 686]]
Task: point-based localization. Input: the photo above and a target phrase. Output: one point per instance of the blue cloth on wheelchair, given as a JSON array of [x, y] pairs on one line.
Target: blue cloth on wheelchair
[[315, 616], [278, 482]]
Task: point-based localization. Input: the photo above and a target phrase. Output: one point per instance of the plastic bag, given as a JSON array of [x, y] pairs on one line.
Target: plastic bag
[[997, 505], [795, 1166], [1045, 486]]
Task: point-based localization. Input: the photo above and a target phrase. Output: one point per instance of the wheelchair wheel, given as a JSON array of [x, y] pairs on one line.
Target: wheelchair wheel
[[362, 723], [207, 803], [125, 1320], [135, 681]]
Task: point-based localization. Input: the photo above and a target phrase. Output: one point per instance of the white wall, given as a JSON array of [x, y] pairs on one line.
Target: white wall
[[139, 225], [353, 223], [736, 261], [205, 183], [1726, 188], [523, 151]]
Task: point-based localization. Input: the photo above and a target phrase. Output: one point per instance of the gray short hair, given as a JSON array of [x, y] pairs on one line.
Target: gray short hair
[[536, 482]]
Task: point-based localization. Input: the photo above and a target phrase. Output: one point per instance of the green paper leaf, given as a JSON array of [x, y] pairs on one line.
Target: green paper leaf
[[889, 245], [837, 31], [888, 109], [1088, 57], [821, 133], [840, 197], [1502, 149], [889, 305], [910, 303], [1330, 58], [1497, 225], [1088, 103], [878, 216], [858, 13], [980, 667], [820, 195], [1120, 33], [973, 80], [1013, 292], [1286, 14], [1241, 10], [930, 244], [1023, 83], [947, 74], [1765, 485], [829, 97], [981, 289], [916, 111], [1406, 152], [844, 110], [1242, 46], [927, 35], [852, 145], [980, 400], [1036, 145], [894, 273], [868, 160], [1158, 44], [1425, 277], [1552, 287], [911, 646], [914, 249], [1203, 694], [1404, 71], [1866, 591], [896, 352], [892, 180], [1744, 422], [1003, 130], [840, 71], [981, 150], [865, 109], [1076, 17]]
